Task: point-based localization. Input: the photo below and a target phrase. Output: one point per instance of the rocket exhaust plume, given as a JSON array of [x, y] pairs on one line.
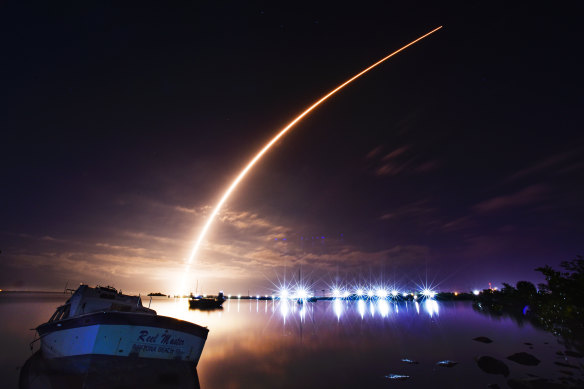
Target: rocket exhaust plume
[[280, 134]]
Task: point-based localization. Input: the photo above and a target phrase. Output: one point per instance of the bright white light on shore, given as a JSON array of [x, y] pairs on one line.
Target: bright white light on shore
[[381, 293], [394, 293], [359, 292], [370, 294], [336, 293], [405, 294], [301, 293], [283, 294], [238, 296], [345, 294], [428, 293], [476, 292]]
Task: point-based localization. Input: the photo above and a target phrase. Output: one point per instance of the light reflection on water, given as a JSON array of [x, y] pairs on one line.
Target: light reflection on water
[[339, 343]]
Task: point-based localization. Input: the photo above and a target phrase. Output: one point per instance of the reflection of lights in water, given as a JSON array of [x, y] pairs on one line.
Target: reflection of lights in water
[[361, 308], [266, 306], [396, 307], [476, 292], [431, 307], [417, 307], [371, 308], [284, 309], [383, 307], [338, 308], [302, 312]]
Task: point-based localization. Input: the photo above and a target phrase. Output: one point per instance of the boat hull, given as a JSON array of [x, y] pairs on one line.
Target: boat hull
[[102, 371], [123, 335]]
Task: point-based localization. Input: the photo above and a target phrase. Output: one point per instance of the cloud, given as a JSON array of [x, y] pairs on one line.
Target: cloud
[[543, 165], [398, 161], [395, 153], [417, 210], [460, 223], [531, 194]]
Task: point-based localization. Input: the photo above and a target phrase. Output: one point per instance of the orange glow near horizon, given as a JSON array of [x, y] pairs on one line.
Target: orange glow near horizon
[[280, 134]]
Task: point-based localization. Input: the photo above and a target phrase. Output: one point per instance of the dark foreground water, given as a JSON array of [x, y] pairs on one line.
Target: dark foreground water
[[328, 344]]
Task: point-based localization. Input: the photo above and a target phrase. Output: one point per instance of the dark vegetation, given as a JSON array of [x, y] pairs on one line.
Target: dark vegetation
[[556, 306]]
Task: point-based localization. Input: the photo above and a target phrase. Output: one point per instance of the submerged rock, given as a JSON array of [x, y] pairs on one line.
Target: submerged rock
[[528, 344], [447, 363], [483, 339], [539, 383], [492, 365], [566, 365], [493, 386], [524, 358], [398, 377], [574, 354], [410, 361]]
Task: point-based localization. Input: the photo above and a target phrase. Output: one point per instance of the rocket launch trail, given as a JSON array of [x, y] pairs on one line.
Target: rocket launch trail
[[280, 134]]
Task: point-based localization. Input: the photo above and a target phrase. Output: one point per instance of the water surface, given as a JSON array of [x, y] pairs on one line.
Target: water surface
[[268, 344]]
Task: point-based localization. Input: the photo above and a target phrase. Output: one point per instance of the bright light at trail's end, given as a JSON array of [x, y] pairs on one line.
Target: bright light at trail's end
[[268, 145]]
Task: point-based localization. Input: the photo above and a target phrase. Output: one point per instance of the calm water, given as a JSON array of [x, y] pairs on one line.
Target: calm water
[[328, 344]]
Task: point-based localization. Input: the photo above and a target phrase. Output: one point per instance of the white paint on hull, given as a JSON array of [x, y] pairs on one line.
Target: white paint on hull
[[123, 340]]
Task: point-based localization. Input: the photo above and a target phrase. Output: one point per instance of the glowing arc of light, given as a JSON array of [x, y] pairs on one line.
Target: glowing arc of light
[[282, 132]]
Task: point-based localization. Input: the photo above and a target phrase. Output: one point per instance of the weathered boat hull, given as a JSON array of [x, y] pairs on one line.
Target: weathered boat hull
[[102, 371], [122, 334]]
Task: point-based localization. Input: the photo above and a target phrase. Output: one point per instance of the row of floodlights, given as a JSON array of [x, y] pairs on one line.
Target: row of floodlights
[[302, 294]]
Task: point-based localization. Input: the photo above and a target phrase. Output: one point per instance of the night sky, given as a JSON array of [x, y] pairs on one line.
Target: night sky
[[459, 161]]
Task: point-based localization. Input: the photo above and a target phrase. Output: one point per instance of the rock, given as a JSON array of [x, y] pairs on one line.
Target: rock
[[574, 354], [567, 372], [559, 353], [493, 386], [528, 344], [492, 366], [397, 377], [540, 383], [524, 359], [566, 365], [483, 339], [410, 361], [447, 363]]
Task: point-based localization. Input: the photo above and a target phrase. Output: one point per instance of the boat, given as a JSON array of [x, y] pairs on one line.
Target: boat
[[101, 322], [212, 302]]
